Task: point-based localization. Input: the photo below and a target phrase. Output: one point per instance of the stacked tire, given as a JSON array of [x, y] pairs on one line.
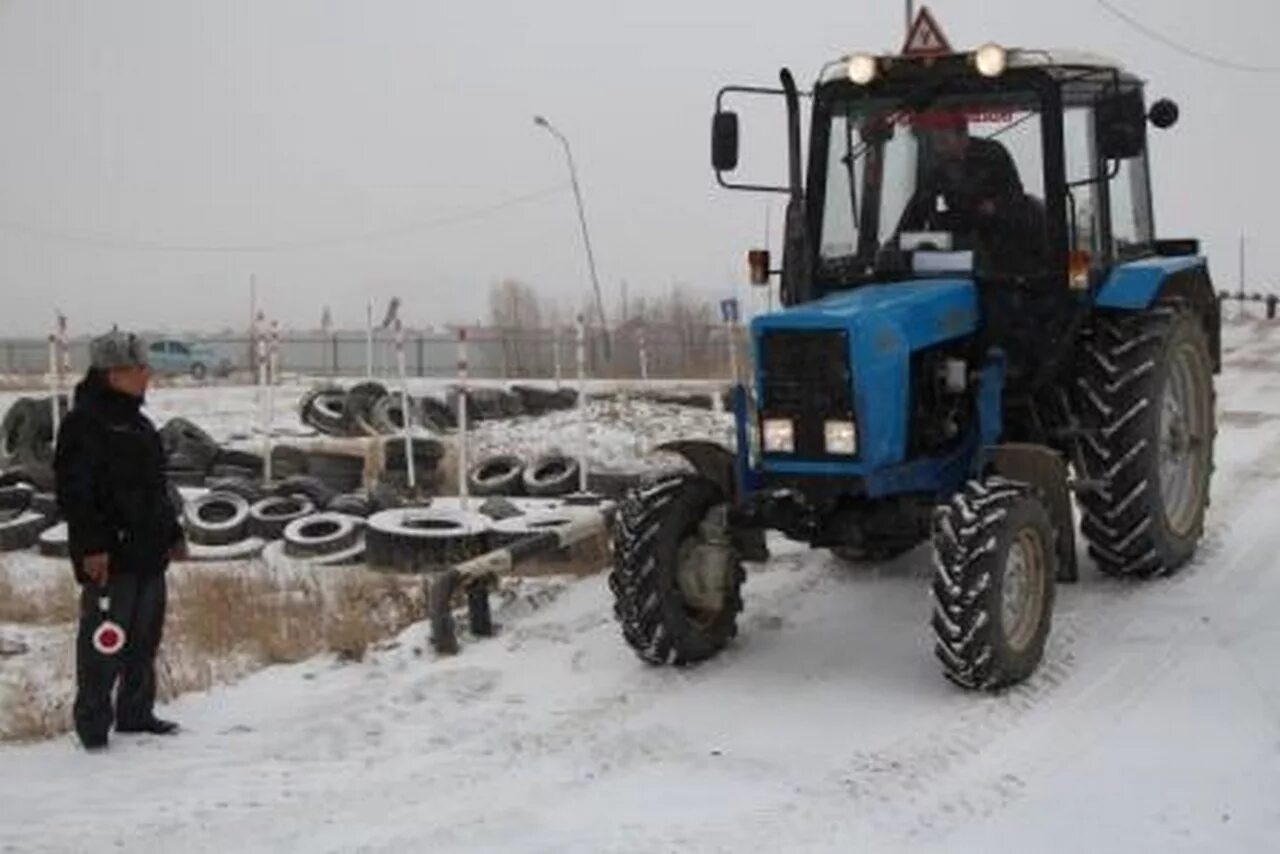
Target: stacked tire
[[325, 537], [21, 523], [217, 519], [26, 439], [189, 452], [325, 409]]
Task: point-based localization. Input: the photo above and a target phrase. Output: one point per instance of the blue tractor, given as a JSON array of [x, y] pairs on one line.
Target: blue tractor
[[980, 333]]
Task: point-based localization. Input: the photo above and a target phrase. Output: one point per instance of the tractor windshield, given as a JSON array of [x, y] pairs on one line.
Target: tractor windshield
[[955, 185]]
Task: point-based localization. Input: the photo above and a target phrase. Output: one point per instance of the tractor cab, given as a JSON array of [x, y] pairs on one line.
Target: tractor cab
[[1018, 168], [1024, 171]]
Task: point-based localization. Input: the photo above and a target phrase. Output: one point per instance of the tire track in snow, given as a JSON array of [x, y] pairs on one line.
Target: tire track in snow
[[921, 788]]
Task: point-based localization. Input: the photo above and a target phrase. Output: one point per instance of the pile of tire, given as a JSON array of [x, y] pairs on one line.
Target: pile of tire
[[369, 409], [537, 401], [26, 439], [692, 401], [192, 456], [547, 475], [485, 404], [424, 539], [25, 515]]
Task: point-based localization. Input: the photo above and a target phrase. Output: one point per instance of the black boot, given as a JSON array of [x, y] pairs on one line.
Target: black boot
[[152, 725], [93, 743]]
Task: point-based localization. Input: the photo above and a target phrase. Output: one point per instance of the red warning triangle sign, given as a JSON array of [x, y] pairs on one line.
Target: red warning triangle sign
[[925, 37]]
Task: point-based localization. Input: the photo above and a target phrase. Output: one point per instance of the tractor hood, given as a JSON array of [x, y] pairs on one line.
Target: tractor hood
[[921, 312], [885, 325]]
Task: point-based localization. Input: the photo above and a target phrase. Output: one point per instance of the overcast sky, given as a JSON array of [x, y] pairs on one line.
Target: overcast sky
[[156, 153]]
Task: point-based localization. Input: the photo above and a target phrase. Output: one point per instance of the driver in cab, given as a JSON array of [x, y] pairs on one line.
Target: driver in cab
[[973, 191]]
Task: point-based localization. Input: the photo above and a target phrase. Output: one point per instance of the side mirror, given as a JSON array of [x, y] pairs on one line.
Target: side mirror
[[724, 141], [1164, 114], [1122, 126], [758, 266]]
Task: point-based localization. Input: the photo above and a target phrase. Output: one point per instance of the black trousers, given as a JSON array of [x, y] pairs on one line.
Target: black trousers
[[138, 605]]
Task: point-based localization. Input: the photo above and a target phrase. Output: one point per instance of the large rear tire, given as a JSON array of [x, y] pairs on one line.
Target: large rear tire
[[1147, 406], [676, 581], [993, 588]]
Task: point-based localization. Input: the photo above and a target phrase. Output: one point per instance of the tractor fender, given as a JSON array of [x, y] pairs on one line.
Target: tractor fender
[[712, 461], [1045, 470], [717, 464], [1139, 285]]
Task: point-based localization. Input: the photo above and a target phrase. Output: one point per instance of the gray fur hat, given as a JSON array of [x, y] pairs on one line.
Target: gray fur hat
[[117, 349]]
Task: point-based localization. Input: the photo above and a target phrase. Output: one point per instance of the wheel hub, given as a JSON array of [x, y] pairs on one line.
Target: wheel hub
[[1183, 420], [704, 569], [1022, 588]]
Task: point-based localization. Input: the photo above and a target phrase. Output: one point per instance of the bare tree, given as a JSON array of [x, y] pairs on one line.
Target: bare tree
[[516, 313], [514, 305]]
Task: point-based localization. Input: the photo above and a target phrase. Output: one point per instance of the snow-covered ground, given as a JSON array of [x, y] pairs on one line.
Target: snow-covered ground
[[1154, 724]]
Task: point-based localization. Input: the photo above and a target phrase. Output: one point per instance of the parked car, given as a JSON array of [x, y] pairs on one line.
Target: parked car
[[170, 356]]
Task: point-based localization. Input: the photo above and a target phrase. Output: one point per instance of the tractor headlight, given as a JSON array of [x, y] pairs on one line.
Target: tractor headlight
[[862, 68], [779, 435], [841, 437], [991, 60]]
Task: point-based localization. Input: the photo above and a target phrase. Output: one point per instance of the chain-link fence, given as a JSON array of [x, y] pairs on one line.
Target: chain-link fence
[[630, 352]]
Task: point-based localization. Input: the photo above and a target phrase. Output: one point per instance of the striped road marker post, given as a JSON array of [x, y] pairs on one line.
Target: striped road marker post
[[463, 490], [260, 356], [582, 404], [410, 473]]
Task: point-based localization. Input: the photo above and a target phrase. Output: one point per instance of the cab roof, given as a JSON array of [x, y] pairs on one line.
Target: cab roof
[[1056, 62]]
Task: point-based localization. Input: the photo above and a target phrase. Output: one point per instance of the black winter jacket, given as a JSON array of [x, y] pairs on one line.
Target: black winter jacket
[[111, 482]]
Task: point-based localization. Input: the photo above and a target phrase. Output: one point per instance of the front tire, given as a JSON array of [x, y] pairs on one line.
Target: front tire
[[676, 581], [1147, 403], [993, 587]]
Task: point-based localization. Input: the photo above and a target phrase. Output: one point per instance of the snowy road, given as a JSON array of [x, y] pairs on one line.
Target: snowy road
[[1154, 724]]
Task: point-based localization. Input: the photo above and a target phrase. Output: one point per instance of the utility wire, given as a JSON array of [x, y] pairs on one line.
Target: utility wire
[[1154, 35], [109, 242]]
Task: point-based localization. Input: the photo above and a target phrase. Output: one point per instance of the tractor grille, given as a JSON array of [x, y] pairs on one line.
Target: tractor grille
[[806, 377]]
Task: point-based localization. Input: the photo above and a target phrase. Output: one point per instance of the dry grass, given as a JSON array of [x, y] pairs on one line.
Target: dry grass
[[53, 602], [30, 711], [222, 625]]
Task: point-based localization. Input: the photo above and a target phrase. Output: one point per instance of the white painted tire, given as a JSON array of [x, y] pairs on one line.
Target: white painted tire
[[22, 532], [53, 541], [321, 534], [270, 516], [246, 549], [216, 519], [275, 556], [416, 539]]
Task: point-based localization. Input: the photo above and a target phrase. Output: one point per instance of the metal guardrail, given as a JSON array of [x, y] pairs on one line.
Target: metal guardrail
[[474, 577], [657, 352]]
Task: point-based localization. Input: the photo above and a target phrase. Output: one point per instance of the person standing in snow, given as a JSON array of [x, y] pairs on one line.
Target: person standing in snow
[[123, 530]]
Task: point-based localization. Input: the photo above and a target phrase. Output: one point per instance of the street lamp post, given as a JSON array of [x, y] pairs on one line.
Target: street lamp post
[[540, 121]]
